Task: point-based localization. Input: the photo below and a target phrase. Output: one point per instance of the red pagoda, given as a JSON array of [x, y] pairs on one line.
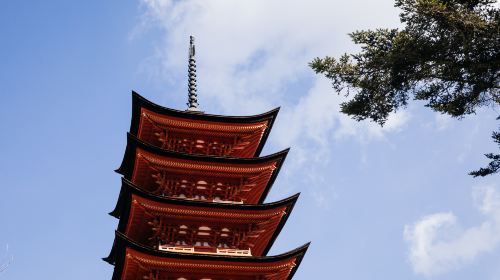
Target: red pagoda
[[191, 204]]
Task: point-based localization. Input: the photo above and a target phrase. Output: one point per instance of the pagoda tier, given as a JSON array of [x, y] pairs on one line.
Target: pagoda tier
[[133, 261], [198, 177], [199, 227], [196, 133]]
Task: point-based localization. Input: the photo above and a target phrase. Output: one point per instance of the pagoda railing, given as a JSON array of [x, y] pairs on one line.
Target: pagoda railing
[[212, 200], [234, 252], [227, 201], [218, 251]]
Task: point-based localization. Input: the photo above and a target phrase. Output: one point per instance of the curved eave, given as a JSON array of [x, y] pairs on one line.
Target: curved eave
[[127, 165], [139, 102], [122, 209], [121, 243], [129, 188]]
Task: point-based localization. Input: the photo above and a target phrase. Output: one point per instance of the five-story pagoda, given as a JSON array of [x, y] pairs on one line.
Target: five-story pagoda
[[191, 205]]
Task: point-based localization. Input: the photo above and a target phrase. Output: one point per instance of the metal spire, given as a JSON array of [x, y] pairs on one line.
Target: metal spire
[[193, 97]]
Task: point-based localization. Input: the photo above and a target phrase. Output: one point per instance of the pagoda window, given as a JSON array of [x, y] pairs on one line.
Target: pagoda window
[[205, 143], [199, 144], [206, 189], [201, 229], [187, 179], [152, 275], [172, 275], [202, 237]]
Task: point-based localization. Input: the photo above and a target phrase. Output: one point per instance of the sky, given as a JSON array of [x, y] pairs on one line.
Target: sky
[[392, 202]]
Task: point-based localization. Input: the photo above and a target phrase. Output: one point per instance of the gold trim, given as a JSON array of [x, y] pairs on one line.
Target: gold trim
[[205, 126], [211, 213], [184, 265], [206, 167]]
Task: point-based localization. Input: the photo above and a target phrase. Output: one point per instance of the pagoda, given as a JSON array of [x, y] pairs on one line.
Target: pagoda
[[191, 204]]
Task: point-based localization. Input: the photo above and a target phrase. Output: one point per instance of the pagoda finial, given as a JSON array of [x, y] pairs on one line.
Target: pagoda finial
[[193, 96]]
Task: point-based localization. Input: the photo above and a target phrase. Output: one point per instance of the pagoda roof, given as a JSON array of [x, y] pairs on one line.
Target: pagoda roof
[[133, 203], [133, 260], [265, 169], [198, 123]]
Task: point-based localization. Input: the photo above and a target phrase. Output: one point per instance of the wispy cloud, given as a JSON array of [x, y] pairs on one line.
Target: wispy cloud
[[442, 122], [252, 53], [253, 56], [438, 244]]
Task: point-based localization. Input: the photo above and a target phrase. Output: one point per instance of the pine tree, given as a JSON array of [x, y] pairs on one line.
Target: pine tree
[[447, 54]]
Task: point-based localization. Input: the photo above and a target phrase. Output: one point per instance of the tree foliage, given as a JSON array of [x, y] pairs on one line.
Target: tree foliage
[[447, 54], [494, 165]]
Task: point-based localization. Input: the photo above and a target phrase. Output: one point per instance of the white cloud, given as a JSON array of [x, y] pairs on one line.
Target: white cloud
[[253, 56], [442, 121], [438, 244], [367, 130]]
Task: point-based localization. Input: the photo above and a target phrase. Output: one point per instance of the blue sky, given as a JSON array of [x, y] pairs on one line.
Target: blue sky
[[377, 203]]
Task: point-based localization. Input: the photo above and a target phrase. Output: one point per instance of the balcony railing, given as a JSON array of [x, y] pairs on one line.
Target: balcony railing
[[218, 251]]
